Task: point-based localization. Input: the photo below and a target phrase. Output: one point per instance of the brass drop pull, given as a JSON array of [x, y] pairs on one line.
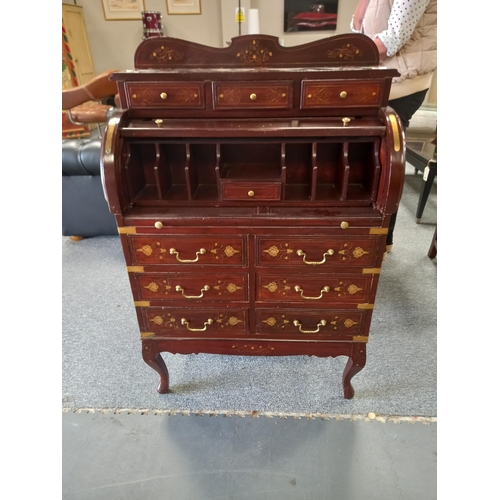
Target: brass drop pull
[[158, 122], [343, 94], [253, 97], [296, 322], [163, 95], [302, 254], [206, 288], [185, 322], [251, 194], [158, 225], [325, 289], [201, 251]]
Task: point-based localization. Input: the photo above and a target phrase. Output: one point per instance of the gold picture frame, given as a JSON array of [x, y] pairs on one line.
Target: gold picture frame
[[122, 10], [183, 7]]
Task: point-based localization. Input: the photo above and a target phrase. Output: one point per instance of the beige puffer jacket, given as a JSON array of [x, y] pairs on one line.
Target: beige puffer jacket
[[417, 60]]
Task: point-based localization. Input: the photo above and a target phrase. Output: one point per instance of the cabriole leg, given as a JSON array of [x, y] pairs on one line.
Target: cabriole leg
[[355, 364], [153, 358]]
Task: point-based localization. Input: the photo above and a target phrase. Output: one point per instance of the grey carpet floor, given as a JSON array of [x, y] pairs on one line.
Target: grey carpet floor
[[102, 365]]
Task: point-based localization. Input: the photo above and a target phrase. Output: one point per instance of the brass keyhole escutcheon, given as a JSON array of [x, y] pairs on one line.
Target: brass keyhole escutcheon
[[344, 224], [163, 95], [251, 193], [253, 97], [343, 94], [158, 225]]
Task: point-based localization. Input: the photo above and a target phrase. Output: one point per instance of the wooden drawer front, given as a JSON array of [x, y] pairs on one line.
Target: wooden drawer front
[[316, 290], [343, 324], [191, 288], [328, 94], [162, 321], [166, 95], [187, 250], [313, 252], [251, 191], [252, 95]]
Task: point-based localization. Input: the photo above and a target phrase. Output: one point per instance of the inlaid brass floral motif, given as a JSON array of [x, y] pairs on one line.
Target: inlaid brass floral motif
[[255, 53], [144, 95], [230, 251], [166, 54], [347, 288], [153, 287], [157, 320], [346, 53], [146, 250], [272, 287], [281, 253], [348, 251]]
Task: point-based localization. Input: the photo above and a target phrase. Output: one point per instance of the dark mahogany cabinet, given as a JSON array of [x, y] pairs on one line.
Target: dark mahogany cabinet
[[252, 187]]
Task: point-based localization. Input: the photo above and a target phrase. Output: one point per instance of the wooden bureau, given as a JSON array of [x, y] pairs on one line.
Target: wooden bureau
[[252, 187]]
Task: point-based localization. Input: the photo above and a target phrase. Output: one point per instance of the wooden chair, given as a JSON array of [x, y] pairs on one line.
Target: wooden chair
[[84, 103]]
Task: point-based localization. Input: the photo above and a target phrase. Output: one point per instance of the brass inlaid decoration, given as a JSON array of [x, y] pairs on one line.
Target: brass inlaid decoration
[[379, 230], [144, 96], [112, 122], [252, 349], [127, 230], [346, 288], [255, 53], [165, 54], [146, 250], [153, 287], [281, 322], [283, 252], [348, 251], [395, 132], [223, 321], [320, 95], [347, 53]]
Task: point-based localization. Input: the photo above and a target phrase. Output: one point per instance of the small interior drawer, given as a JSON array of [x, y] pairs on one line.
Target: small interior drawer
[[251, 191]]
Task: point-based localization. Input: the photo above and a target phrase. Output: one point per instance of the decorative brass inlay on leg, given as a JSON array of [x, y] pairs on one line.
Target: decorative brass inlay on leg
[[112, 122]]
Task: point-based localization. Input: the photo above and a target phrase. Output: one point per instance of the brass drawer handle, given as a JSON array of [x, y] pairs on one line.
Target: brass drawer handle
[[206, 288], [253, 97], [343, 94], [325, 289], [201, 251], [302, 254], [184, 321], [163, 95], [296, 322]]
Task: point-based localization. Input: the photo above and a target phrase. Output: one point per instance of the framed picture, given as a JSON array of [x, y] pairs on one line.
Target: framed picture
[[122, 10], [310, 15], [183, 7]]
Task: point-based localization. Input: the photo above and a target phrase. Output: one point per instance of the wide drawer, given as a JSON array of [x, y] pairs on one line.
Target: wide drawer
[[306, 323], [236, 95], [188, 250], [344, 93], [186, 287], [318, 252], [316, 291], [166, 95], [162, 321]]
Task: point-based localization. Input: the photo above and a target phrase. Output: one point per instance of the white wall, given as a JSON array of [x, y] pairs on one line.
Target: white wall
[[113, 43]]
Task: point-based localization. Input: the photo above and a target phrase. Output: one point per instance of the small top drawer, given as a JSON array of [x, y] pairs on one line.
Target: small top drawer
[[166, 95], [236, 95], [338, 94]]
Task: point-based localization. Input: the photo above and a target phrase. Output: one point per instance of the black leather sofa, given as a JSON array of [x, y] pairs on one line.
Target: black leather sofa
[[85, 211]]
